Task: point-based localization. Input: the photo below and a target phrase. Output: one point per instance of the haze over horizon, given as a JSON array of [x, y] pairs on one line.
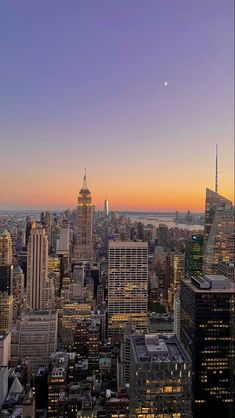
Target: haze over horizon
[[83, 85]]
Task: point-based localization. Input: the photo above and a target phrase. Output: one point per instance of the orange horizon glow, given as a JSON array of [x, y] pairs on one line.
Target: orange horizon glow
[[165, 201]]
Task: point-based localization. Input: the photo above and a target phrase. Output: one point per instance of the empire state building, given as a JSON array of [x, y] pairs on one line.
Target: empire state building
[[84, 224]]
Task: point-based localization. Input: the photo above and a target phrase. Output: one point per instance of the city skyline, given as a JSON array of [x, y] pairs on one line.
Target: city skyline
[[138, 95], [117, 232]]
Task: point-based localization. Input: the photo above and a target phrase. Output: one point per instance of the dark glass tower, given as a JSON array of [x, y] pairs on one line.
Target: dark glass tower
[[207, 332], [194, 256], [6, 279]]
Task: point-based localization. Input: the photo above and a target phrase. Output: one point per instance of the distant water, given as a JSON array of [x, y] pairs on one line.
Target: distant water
[[162, 218]]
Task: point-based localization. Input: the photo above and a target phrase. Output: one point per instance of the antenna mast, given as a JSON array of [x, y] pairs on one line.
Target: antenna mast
[[216, 170]]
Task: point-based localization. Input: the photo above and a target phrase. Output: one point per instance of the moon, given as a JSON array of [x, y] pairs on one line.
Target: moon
[[165, 83]]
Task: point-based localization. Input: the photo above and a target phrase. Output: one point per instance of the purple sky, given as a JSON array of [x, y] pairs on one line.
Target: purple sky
[[82, 84]]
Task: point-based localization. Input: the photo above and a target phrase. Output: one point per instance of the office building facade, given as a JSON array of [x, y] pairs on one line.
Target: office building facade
[[40, 291], [6, 268], [207, 332], [194, 255], [160, 377], [127, 285]]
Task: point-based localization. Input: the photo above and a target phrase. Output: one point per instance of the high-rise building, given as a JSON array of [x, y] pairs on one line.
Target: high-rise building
[[6, 279], [78, 274], [207, 332], [5, 248], [220, 244], [194, 255], [84, 224], [39, 288], [106, 208], [62, 241], [160, 377], [176, 308], [123, 361], [127, 285], [18, 292], [48, 222], [162, 233], [6, 312], [6, 268], [69, 315], [213, 202], [177, 269], [35, 336], [28, 229]]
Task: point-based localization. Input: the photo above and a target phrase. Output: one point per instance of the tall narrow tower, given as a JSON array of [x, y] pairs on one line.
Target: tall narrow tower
[[106, 208], [84, 223], [216, 170]]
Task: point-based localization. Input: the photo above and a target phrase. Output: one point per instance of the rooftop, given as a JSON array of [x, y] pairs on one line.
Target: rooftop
[[158, 348], [216, 283], [5, 234], [128, 244]]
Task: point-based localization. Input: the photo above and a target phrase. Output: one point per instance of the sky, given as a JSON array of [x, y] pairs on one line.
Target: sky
[[82, 84]]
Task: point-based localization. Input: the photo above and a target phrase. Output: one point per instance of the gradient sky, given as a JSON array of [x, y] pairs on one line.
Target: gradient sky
[[82, 84]]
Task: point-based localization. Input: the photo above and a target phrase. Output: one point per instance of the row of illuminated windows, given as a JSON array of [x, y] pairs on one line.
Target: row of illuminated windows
[[166, 389], [218, 338]]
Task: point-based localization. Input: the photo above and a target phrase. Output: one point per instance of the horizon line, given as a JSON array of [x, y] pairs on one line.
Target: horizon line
[[100, 210]]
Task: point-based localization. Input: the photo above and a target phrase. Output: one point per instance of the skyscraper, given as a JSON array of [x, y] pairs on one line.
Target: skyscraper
[[6, 312], [177, 267], [127, 285], [194, 255], [84, 224], [220, 244], [218, 238], [106, 208], [5, 248], [39, 289], [62, 242], [162, 232], [6, 268], [27, 229], [207, 332], [213, 202]]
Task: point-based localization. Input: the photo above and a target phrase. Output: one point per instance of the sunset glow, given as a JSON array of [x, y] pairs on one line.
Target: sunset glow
[[87, 90]]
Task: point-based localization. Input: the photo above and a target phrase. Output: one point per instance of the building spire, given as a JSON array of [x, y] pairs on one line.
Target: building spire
[[216, 169], [84, 181]]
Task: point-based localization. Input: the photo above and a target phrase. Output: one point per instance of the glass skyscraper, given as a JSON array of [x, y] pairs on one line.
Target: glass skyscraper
[[219, 233], [194, 255]]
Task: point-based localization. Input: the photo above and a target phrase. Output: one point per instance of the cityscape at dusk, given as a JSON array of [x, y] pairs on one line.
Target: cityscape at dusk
[[117, 222]]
